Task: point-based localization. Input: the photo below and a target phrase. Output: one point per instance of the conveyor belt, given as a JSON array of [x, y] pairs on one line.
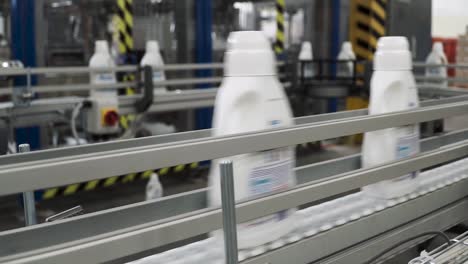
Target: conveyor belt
[[138, 228], [35, 245], [315, 220]]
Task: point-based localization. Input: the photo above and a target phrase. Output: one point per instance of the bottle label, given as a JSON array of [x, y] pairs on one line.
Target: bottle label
[[345, 69], [157, 76], [104, 78], [274, 175], [272, 172], [407, 143], [439, 72], [436, 72], [407, 146], [308, 70]]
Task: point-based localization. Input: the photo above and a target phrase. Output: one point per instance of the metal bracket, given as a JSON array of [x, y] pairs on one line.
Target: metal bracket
[[147, 100], [65, 214], [23, 95], [30, 217]]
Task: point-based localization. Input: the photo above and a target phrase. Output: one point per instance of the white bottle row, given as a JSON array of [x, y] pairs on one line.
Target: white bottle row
[[315, 219]]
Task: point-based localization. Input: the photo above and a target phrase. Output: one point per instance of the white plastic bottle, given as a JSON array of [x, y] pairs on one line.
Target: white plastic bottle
[[393, 88], [102, 59], [437, 56], [251, 98], [102, 117], [154, 189], [346, 53], [153, 58], [306, 55]]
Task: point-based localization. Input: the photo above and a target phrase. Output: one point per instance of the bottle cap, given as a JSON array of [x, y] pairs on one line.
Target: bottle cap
[[392, 54], [249, 53], [306, 51], [347, 47], [101, 46], [438, 47], [152, 46]]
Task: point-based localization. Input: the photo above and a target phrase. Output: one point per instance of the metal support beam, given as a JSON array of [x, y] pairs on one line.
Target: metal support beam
[[203, 54], [229, 212], [23, 31], [29, 202], [335, 48], [24, 49]]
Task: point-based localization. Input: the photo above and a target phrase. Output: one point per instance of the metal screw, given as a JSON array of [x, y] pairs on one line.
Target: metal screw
[[27, 95]]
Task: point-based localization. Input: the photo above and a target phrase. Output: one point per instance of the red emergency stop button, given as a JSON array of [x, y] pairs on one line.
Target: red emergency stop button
[[111, 117]]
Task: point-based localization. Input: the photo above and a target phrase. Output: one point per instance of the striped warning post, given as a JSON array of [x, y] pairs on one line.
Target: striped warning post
[[124, 21], [125, 26], [279, 43], [367, 24], [115, 180]]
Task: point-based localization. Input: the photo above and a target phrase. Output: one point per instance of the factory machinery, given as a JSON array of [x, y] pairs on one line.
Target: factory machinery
[[23, 106], [23, 102], [57, 103], [348, 229]]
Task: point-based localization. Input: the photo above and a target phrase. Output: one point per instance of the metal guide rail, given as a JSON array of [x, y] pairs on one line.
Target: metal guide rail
[[426, 65], [163, 102], [130, 68], [116, 180], [84, 163], [50, 109], [199, 134], [457, 253], [124, 68], [158, 223], [28, 72], [170, 101], [24, 95]]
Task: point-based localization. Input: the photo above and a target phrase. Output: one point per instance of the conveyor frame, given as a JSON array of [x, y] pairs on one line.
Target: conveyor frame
[[20, 172], [99, 224], [64, 170]]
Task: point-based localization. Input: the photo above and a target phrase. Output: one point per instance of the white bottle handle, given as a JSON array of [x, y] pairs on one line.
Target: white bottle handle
[[394, 88]]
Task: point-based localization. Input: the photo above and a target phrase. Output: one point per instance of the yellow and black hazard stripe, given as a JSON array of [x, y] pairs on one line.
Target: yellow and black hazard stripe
[[126, 120], [125, 26], [367, 24], [279, 43], [124, 21], [113, 181]]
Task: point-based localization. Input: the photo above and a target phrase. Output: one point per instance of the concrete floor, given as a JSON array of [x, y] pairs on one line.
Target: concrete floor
[[104, 198]]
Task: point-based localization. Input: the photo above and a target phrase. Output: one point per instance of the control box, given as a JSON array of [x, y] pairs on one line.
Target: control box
[[102, 116]]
